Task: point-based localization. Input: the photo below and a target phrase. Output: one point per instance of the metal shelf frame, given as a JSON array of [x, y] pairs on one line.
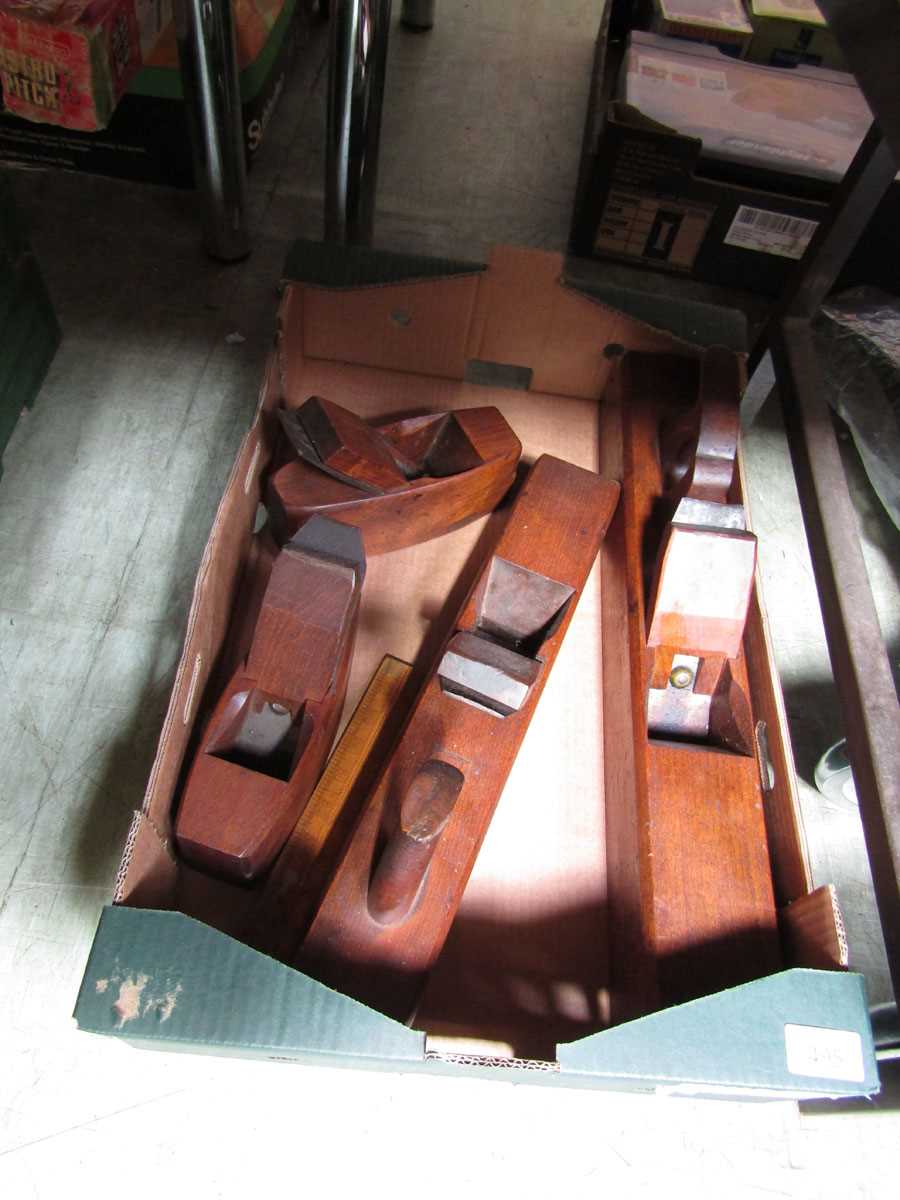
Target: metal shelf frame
[[868, 32]]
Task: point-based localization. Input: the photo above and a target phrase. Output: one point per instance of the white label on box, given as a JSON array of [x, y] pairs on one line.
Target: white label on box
[[770, 232], [824, 1053]]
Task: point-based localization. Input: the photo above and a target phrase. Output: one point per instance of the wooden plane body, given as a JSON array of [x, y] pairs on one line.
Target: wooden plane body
[[692, 906], [399, 483], [265, 744], [386, 913], [705, 566]]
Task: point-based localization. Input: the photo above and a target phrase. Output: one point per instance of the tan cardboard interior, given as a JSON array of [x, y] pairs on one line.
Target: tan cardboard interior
[[525, 965]]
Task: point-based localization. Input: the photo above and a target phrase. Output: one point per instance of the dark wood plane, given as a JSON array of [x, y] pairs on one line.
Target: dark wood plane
[[265, 744], [692, 908], [386, 913], [400, 483]]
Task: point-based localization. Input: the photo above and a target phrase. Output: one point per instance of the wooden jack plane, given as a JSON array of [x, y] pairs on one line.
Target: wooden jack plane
[[692, 907], [386, 913]]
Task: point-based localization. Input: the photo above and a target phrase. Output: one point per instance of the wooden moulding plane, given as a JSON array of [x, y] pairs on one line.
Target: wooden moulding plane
[[387, 910], [692, 908], [400, 483], [265, 744]]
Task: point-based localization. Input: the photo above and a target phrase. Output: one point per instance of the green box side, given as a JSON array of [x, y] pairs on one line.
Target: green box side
[[164, 978], [23, 372], [29, 338], [165, 82], [29, 367], [329, 266], [13, 243], [734, 1039]]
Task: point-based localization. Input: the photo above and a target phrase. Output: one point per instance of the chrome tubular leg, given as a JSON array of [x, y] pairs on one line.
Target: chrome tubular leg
[[207, 52], [358, 54]]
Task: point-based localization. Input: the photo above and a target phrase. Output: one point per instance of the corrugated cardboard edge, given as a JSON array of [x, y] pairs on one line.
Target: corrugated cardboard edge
[[813, 930]]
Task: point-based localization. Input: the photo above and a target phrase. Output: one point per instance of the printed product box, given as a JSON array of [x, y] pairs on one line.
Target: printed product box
[[803, 122], [67, 62], [147, 138], [722, 23], [790, 33]]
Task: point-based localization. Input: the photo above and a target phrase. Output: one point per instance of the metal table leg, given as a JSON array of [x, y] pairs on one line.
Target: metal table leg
[[207, 51], [359, 41]]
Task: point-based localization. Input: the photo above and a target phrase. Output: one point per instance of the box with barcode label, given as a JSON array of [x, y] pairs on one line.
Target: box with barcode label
[[718, 170], [770, 232]]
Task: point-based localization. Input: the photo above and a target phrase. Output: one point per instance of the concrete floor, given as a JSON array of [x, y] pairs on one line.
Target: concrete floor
[[108, 492]]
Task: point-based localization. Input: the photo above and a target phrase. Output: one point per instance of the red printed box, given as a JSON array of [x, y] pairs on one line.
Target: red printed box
[[67, 62]]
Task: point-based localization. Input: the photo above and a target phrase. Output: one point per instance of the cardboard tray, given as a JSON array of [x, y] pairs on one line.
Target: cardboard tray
[[521, 989]]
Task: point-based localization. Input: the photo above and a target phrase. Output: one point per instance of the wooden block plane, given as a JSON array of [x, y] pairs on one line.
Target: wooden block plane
[[264, 747], [400, 483], [388, 909], [692, 906]]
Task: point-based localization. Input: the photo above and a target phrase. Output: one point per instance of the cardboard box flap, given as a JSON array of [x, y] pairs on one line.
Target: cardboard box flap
[[165, 977], [435, 317], [690, 321], [319, 265], [800, 1032]]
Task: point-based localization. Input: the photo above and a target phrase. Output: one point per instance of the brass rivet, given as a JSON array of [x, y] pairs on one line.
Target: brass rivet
[[681, 677]]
